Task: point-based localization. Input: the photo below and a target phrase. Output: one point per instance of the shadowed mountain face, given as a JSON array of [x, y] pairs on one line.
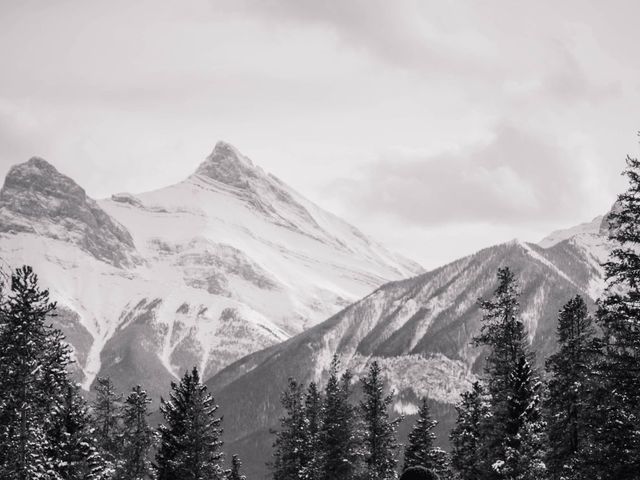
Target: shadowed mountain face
[[227, 262], [420, 330]]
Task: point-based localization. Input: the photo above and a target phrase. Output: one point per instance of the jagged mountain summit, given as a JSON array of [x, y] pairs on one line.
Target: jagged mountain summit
[[227, 262], [420, 330], [37, 199]]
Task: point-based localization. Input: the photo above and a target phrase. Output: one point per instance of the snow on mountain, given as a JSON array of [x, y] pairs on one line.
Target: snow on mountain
[[420, 330], [225, 263], [559, 235], [37, 199]]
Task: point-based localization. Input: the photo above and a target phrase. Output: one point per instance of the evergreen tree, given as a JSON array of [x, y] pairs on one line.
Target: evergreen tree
[[313, 419], [506, 337], [421, 451], [33, 377], [291, 445], [71, 446], [107, 413], [569, 391], [190, 437], [616, 450], [466, 436], [234, 473], [379, 439], [339, 433], [137, 437], [523, 444]]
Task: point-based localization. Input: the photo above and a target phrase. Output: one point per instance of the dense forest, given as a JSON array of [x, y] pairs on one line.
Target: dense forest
[[578, 418]]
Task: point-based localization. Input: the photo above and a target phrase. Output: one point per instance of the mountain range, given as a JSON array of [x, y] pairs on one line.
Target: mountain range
[[420, 331], [235, 272], [222, 264]]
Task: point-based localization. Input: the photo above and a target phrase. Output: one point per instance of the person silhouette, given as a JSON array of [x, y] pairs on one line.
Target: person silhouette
[[418, 473]]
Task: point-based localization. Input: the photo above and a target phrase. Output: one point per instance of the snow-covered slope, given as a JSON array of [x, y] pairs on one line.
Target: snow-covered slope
[[559, 235], [222, 264], [419, 329]]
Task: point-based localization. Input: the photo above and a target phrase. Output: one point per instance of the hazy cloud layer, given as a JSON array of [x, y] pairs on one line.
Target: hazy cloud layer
[[439, 127], [513, 178]]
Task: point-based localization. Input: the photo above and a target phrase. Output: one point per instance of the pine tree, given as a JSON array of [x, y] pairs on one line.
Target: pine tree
[[339, 434], [616, 450], [421, 451], [234, 473], [506, 337], [313, 419], [466, 435], [569, 391], [33, 377], [291, 444], [190, 437], [107, 418], [71, 446], [137, 437], [523, 444], [379, 440]]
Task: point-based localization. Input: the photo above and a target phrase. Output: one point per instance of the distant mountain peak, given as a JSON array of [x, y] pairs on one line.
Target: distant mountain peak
[[40, 163], [37, 175], [227, 165], [37, 198], [590, 228], [225, 148]]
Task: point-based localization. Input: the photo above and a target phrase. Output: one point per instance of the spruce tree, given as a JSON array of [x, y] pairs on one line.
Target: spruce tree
[[33, 377], [506, 338], [71, 446], [313, 419], [107, 413], [616, 449], [291, 447], [234, 473], [190, 437], [466, 435], [379, 439], [523, 443], [339, 435], [421, 451], [569, 392], [136, 437]]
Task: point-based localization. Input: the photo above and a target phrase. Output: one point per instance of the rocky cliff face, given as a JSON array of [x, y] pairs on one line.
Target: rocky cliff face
[[38, 199]]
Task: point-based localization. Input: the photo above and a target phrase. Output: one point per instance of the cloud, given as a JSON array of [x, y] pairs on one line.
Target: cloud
[[405, 33], [515, 178]]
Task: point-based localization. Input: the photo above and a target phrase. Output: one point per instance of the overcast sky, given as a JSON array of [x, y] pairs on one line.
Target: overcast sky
[[436, 127]]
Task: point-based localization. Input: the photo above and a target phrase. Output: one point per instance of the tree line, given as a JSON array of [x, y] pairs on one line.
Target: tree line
[[577, 418], [48, 431], [324, 435]]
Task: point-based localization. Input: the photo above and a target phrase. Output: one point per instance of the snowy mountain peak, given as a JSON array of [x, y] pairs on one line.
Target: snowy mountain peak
[[224, 148], [593, 227], [37, 199], [38, 174], [227, 165]]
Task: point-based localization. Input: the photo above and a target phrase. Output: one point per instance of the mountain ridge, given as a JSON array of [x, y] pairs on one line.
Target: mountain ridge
[[228, 261], [420, 331]]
